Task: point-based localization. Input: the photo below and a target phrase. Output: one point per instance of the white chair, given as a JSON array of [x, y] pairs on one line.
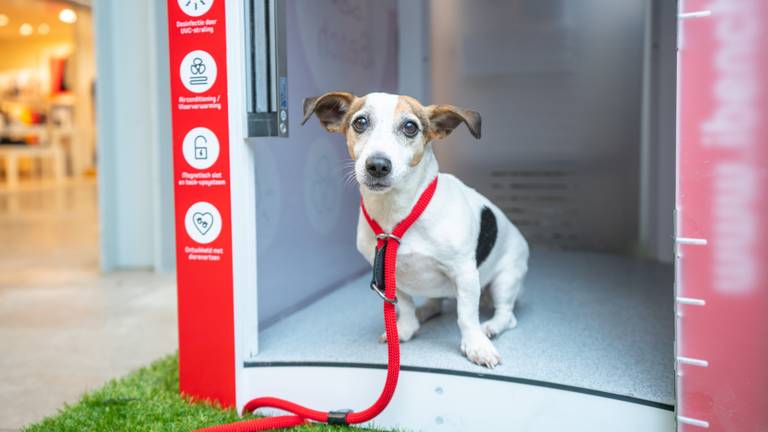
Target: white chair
[[47, 154]]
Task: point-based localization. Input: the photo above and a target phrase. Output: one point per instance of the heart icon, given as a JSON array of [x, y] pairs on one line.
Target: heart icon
[[203, 222]]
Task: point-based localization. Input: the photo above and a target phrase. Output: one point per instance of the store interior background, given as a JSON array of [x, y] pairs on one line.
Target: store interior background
[[47, 73], [87, 291]]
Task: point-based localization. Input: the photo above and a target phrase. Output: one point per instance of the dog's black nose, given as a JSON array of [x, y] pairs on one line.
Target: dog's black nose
[[378, 166]]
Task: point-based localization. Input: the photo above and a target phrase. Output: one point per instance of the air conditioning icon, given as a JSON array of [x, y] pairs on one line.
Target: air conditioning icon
[[201, 148]]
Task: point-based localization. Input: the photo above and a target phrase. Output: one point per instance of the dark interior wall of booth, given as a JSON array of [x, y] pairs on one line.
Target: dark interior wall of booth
[[306, 216], [559, 86]]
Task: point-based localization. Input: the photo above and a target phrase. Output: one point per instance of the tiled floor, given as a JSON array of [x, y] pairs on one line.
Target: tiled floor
[[64, 326]]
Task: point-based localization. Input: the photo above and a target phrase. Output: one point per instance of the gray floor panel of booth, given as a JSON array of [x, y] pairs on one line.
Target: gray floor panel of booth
[[595, 322]]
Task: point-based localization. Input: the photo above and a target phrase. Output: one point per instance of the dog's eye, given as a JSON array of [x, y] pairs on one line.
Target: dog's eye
[[360, 124], [410, 129]]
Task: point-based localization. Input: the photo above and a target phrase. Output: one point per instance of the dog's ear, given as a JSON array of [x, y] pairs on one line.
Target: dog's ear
[[443, 119], [330, 109]]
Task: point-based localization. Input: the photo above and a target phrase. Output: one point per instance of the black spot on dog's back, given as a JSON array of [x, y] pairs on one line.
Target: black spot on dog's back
[[487, 237]]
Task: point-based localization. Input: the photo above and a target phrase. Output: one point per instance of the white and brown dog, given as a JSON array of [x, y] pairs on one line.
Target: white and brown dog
[[460, 244]]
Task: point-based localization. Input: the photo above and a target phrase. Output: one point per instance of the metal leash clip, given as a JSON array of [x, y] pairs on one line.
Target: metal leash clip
[[382, 294], [378, 267]]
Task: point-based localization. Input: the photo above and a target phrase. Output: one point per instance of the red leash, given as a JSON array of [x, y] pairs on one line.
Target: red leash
[[389, 242]]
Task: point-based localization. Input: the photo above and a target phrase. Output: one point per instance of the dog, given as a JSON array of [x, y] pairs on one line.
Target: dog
[[460, 245]]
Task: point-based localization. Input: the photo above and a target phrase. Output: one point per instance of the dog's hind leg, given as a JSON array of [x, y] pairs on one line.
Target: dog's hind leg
[[430, 309], [504, 291]]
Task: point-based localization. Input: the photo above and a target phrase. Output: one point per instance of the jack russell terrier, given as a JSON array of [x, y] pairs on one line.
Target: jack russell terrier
[[460, 244]]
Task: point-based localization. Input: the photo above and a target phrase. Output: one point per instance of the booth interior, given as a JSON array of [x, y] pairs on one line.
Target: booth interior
[[578, 103]]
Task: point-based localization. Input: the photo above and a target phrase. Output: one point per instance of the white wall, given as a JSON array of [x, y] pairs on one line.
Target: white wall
[[559, 86], [165, 239], [421, 65], [133, 115], [413, 62]]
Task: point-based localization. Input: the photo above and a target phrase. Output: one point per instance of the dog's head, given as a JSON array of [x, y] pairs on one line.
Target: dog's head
[[387, 134]]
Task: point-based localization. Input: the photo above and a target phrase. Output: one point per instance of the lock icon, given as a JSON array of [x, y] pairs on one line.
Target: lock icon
[[201, 147]]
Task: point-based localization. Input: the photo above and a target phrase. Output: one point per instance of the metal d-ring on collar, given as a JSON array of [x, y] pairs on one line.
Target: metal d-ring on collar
[[384, 236]]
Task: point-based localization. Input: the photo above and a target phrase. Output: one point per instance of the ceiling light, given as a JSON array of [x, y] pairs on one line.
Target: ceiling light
[[3, 20], [67, 16], [26, 29], [43, 29]]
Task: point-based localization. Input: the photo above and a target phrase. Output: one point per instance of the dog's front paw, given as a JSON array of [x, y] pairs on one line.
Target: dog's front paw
[[480, 351], [498, 324], [405, 331]]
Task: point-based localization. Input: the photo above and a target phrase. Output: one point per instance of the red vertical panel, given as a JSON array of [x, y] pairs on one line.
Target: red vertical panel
[[197, 37], [722, 197]]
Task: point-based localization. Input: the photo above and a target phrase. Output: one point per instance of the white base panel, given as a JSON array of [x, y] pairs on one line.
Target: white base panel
[[427, 401]]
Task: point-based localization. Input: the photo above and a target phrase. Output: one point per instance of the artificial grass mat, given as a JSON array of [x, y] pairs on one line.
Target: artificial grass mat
[[145, 400]]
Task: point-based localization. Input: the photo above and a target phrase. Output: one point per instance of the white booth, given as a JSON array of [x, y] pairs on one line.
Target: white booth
[[578, 148]]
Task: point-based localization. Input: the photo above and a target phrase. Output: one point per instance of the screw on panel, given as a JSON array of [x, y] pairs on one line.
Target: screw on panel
[[690, 301], [692, 361], [691, 241], [693, 421], [698, 14]]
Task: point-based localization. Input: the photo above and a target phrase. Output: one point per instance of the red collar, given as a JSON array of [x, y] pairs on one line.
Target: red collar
[[385, 257], [400, 229]]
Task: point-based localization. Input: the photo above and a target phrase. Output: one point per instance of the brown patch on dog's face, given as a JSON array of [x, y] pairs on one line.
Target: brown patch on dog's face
[[438, 121], [351, 135], [409, 107]]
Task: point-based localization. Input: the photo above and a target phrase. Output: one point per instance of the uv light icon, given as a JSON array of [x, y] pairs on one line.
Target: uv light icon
[[195, 8]]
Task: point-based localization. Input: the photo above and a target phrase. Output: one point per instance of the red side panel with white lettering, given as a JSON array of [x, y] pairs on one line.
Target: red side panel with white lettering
[[723, 185], [197, 39]]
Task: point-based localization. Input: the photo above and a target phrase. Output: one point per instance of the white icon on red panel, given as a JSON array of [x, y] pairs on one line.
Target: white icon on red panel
[[203, 222], [198, 71], [195, 8], [200, 148]]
